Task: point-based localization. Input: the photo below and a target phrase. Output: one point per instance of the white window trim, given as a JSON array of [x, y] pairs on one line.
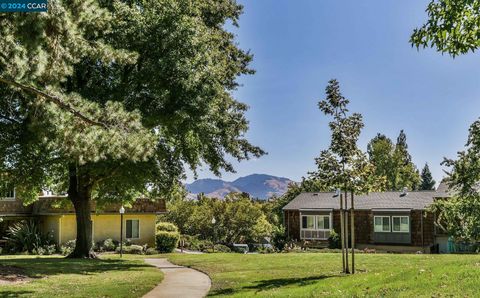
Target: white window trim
[[401, 216], [132, 233], [315, 222], [389, 223]]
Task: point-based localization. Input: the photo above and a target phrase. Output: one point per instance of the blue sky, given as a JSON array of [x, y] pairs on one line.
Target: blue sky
[[299, 45]]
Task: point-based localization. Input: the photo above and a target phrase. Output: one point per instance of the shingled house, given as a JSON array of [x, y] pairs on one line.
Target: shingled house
[[55, 215], [386, 221]]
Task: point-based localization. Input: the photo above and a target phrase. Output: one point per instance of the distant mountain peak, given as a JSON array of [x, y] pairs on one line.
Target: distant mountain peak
[[261, 186]]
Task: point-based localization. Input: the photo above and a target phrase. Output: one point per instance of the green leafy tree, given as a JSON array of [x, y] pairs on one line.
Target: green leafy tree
[[451, 27], [343, 165], [393, 162], [238, 219], [109, 100], [460, 214], [427, 180]]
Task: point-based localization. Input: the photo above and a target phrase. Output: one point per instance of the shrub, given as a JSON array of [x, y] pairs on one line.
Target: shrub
[[279, 239], [166, 241], [222, 248], [109, 245], [67, 248], [189, 242], [25, 236], [151, 251], [334, 240], [131, 249], [265, 249], [45, 250], [166, 227]]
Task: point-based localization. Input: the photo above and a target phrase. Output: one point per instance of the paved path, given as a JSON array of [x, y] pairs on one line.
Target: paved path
[[178, 281]]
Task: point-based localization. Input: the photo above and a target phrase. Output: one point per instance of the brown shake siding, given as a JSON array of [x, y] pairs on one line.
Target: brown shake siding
[[364, 226]]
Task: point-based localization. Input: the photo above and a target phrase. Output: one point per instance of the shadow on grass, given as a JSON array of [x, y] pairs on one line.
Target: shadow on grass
[[40, 267], [16, 294], [268, 284]]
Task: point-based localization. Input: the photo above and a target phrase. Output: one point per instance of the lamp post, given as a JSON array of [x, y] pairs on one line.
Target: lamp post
[[214, 221], [122, 211]]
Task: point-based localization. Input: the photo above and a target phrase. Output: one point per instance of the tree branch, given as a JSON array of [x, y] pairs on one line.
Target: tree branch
[[9, 119], [59, 102]]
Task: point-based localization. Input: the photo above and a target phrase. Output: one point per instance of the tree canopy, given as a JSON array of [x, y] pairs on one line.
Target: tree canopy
[[110, 100], [451, 27], [343, 165], [393, 162], [427, 180], [460, 214]]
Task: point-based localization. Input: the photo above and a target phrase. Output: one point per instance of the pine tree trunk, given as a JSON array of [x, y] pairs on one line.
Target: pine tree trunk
[[80, 195]]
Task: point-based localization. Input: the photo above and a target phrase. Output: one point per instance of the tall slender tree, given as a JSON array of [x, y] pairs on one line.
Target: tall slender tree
[[427, 180], [393, 162], [109, 100], [343, 165]]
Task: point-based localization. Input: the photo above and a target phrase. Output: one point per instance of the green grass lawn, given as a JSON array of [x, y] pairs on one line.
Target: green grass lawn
[[60, 277], [317, 275]]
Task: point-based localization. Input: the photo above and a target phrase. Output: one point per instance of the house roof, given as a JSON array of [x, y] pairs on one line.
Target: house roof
[[61, 205], [58, 205], [376, 200], [442, 190]]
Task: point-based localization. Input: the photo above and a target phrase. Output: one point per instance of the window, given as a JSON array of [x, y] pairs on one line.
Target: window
[[133, 229], [400, 224], [323, 222], [308, 222], [7, 192], [382, 223]]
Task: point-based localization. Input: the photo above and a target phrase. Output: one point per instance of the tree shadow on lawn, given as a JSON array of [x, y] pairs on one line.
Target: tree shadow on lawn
[[40, 267], [268, 284], [14, 294]]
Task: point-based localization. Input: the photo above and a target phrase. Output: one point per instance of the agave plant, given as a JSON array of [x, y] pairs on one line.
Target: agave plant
[[25, 236]]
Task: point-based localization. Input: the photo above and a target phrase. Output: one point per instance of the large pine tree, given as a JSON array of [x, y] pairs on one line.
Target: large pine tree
[[109, 100], [427, 180]]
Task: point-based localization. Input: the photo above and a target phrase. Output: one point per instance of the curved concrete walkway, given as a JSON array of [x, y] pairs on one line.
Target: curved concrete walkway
[[179, 281]]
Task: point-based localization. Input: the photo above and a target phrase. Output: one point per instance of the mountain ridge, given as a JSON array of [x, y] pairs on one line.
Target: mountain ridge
[[261, 186]]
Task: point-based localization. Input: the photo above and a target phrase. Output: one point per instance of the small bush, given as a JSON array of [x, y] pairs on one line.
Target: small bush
[[131, 249], [280, 239], [189, 242], [109, 245], [265, 249], [222, 248], [334, 240], [45, 250], [151, 251], [166, 227], [166, 241], [67, 248]]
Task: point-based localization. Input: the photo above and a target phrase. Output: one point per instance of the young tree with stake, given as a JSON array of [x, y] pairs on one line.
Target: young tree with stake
[[343, 165]]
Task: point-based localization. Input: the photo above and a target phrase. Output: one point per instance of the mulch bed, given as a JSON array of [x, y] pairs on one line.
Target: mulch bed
[[12, 275]]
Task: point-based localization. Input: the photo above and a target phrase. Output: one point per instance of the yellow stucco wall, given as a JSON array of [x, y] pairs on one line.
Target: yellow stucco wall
[[50, 224], [104, 226]]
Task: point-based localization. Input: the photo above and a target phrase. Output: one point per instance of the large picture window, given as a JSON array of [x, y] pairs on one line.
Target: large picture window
[[133, 229], [400, 224], [382, 223], [316, 222], [308, 222]]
